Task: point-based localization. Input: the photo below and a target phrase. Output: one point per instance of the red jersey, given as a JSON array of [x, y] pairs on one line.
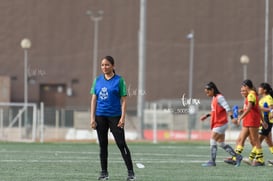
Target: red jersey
[[218, 113], [252, 119]]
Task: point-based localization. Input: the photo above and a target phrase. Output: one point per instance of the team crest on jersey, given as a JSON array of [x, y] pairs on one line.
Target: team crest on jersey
[[103, 93]]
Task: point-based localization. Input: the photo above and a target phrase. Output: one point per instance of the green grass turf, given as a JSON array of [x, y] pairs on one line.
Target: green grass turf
[[79, 161]]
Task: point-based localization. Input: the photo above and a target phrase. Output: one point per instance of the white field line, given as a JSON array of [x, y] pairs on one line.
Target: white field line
[[97, 161], [59, 158], [182, 147], [95, 153], [61, 153], [47, 152], [247, 145]]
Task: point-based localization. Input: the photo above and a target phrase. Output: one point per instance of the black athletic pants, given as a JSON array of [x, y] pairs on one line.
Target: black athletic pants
[[103, 125]]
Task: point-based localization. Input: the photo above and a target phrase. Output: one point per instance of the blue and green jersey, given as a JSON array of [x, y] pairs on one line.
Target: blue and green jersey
[[109, 93]]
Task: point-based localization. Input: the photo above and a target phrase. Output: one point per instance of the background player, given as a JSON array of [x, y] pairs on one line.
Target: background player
[[251, 117], [266, 106], [219, 124]]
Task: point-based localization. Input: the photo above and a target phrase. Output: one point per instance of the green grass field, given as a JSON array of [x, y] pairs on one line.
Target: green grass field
[[79, 161]]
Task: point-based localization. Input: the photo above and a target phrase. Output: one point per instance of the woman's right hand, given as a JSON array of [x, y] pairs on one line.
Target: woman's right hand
[[202, 118], [93, 124], [235, 122]]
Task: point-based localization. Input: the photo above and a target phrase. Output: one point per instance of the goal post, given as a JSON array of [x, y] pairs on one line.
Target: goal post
[[13, 126]]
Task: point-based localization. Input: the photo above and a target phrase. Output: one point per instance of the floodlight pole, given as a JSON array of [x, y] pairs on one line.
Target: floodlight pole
[[190, 36], [141, 67], [96, 17], [26, 44], [266, 40], [272, 53], [26, 85]]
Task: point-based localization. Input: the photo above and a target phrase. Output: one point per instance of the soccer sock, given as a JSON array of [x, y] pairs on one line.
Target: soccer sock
[[239, 149], [228, 149], [252, 154], [271, 149], [213, 149], [259, 155]]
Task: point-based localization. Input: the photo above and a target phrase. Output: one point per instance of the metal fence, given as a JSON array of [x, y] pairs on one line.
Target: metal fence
[[164, 120]]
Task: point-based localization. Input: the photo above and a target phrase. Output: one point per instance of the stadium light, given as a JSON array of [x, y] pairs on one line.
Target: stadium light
[[244, 59], [95, 16], [26, 44]]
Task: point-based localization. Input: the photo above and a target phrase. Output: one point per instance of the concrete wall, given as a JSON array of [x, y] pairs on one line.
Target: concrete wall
[[5, 89], [62, 44]]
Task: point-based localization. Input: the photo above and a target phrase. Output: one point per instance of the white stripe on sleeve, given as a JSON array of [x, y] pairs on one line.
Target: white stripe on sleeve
[[222, 101]]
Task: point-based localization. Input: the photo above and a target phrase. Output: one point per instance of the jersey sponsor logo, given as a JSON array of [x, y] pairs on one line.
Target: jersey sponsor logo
[[103, 93]]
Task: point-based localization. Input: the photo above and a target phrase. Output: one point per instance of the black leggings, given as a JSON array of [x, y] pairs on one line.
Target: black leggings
[[103, 125]]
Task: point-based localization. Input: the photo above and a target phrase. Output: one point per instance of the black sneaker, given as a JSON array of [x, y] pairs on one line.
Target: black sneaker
[[103, 175], [131, 176], [230, 161]]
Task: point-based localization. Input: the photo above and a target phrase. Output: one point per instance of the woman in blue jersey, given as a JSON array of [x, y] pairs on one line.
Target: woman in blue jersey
[[108, 109]]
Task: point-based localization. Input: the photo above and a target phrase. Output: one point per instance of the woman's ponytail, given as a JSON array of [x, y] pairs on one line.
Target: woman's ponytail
[[268, 88], [271, 92]]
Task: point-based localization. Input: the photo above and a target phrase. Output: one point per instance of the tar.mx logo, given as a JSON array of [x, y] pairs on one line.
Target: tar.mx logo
[[35, 72], [189, 101], [135, 92], [188, 106]]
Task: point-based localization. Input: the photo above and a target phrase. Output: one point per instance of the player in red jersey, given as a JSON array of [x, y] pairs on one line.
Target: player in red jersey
[[251, 118], [219, 124]]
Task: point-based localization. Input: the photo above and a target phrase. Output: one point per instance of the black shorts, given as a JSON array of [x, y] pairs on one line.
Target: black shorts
[[265, 132], [105, 123]]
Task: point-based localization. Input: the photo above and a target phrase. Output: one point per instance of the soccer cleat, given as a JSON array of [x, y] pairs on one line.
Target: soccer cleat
[[257, 163], [238, 160], [209, 164], [103, 175], [230, 161], [131, 176], [248, 161]]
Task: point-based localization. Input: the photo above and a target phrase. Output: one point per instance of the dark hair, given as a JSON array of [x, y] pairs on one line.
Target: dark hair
[[249, 84], [268, 88], [210, 86], [111, 60]]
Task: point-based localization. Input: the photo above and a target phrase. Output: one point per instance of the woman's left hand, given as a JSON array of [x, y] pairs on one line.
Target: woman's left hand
[[121, 123]]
